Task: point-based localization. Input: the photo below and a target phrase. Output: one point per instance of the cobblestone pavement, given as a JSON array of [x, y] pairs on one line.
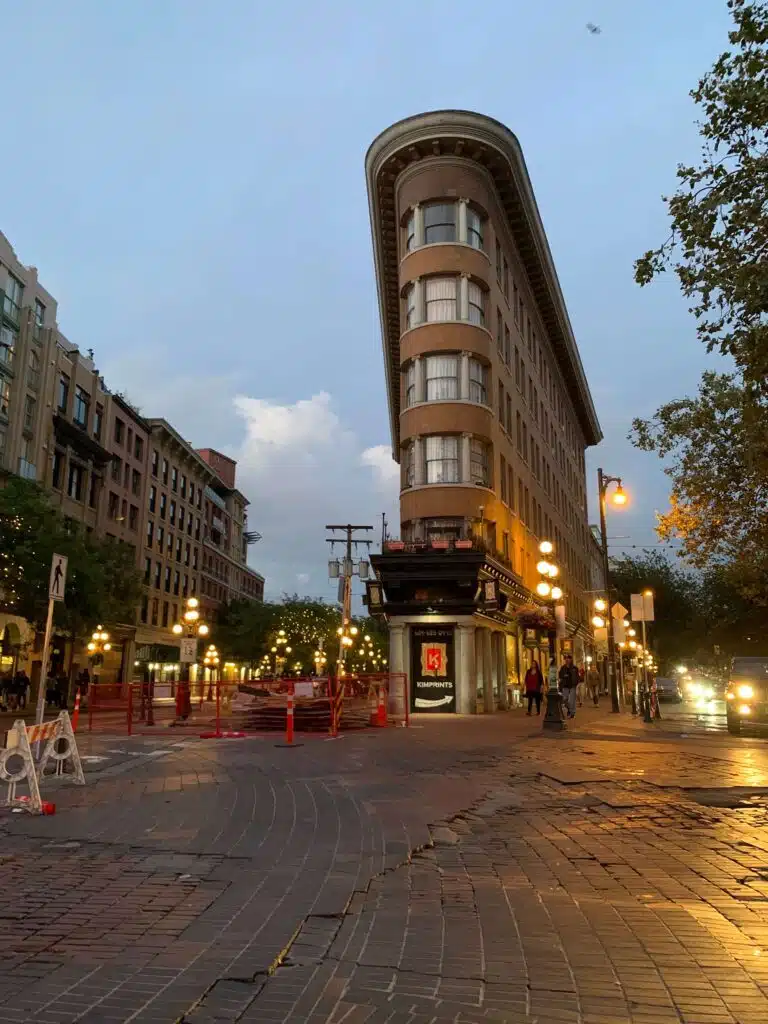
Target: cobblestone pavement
[[465, 871]]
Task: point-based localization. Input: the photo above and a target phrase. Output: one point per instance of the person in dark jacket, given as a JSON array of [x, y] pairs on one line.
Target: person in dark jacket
[[568, 679], [534, 683]]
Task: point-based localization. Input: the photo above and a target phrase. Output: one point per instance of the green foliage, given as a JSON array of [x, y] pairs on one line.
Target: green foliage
[[719, 239], [103, 584]]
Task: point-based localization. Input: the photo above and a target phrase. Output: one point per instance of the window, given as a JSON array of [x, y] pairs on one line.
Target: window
[[135, 481], [525, 442], [442, 458], [150, 533], [509, 415], [82, 403], [158, 574], [185, 587], [143, 614], [505, 279], [409, 463], [503, 478], [439, 222], [93, 491], [155, 461], [129, 442], [518, 368], [499, 329], [410, 385], [505, 545], [7, 345], [167, 580], [160, 538], [507, 345], [154, 608], [98, 421], [183, 487], [113, 505], [117, 469], [191, 492], [442, 373], [62, 397], [501, 403], [170, 543], [152, 498], [147, 570], [176, 582], [181, 517], [174, 479], [164, 620], [165, 471], [474, 229], [478, 382], [194, 558], [410, 231], [75, 482], [498, 261], [133, 518], [39, 317], [476, 304], [33, 373], [172, 513], [138, 448], [178, 549], [197, 524], [519, 432], [441, 298], [187, 553], [411, 319], [14, 289], [119, 431], [478, 462], [58, 468], [30, 407], [163, 502]]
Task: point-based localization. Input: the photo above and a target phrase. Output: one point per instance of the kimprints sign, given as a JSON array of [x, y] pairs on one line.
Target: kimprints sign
[[433, 669]]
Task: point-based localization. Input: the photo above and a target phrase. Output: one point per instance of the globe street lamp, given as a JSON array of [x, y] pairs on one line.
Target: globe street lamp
[[551, 593], [190, 628], [211, 662], [618, 498], [97, 647]]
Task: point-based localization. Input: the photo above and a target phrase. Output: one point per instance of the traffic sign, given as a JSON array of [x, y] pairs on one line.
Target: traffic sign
[[58, 578], [188, 652], [642, 607], [619, 611]]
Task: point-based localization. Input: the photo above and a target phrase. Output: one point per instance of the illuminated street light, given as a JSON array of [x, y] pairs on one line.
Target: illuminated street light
[[546, 547], [618, 498]]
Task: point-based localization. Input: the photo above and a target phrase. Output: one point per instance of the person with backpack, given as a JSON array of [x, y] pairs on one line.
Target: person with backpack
[[534, 684], [568, 679]]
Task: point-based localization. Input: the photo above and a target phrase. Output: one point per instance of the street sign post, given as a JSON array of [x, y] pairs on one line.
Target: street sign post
[[56, 586], [188, 651], [642, 607], [618, 611]]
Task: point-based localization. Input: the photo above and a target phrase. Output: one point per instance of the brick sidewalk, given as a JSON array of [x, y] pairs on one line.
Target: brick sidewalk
[[583, 880]]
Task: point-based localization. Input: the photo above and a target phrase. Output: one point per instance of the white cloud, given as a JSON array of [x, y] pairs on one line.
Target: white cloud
[[386, 472]]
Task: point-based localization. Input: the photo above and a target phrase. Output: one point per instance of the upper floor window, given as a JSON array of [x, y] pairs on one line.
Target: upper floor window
[[63, 392], [442, 460], [474, 229], [155, 461], [476, 304], [39, 316], [82, 403], [7, 345], [440, 222], [98, 421], [478, 462], [442, 376], [410, 385], [14, 290], [478, 382], [33, 376], [119, 431], [441, 298]]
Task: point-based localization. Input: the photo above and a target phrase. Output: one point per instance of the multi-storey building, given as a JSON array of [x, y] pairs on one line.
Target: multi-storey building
[[120, 475], [489, 406]]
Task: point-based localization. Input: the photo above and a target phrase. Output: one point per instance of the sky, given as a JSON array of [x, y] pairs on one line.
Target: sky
[[189, 180]]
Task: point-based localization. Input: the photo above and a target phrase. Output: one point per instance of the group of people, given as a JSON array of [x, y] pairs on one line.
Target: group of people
[[14, 690], [570, 680]]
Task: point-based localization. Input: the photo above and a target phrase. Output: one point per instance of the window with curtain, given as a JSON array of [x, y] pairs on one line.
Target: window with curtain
[[442, 374], [440, 222], [441, 294], [478, 382], [409, 465], [410, 231], [442, 460], [410, 385], [478, 462], [474, 229], [476, 304], [411, 313]]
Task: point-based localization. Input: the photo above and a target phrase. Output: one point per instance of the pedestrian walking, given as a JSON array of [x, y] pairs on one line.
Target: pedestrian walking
[[22, 687], [534, 683], [581, 687], [569, 683], [593, 684]]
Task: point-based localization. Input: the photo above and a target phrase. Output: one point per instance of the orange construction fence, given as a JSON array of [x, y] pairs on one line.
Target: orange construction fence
[[321, 706]]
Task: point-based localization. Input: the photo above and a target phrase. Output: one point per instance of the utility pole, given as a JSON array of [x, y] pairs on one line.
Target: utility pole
[[344, 569]]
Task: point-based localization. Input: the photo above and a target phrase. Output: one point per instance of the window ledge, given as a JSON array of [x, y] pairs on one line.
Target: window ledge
[[427, 487], [460, 323], [437, 245], [448, 401]]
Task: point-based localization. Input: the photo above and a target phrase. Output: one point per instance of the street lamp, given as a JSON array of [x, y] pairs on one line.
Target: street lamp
[[551, 593], [211, 662], [618, 498], [97, 647], [191, 628]]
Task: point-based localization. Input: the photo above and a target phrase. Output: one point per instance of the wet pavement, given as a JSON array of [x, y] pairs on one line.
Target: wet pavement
[[465, 870]]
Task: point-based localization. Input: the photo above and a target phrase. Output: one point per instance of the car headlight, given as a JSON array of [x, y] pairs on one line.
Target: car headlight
[[695, 689], [746, 692], [709, 693], [745, 709]]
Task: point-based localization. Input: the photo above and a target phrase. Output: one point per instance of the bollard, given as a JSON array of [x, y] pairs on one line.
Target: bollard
[[381, 711], [289, 720], [76, 712], [218, 707]]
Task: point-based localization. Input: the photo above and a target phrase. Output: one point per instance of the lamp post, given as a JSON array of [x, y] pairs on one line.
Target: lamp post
[[550, 593], [346, 634], [618, 498], [97, 646], [211, 662], [190, 628], [280, 650]]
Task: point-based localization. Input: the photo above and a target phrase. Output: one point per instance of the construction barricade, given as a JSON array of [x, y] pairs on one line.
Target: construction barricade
[[56, 741], [107, 706]]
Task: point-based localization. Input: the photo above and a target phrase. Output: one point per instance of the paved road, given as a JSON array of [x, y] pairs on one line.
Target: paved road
[[465, 870]]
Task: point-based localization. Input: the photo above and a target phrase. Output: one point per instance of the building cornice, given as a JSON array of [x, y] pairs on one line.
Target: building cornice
[[491, 145]]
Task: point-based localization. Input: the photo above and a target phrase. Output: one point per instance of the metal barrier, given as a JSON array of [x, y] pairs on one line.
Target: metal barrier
[[108, 705]]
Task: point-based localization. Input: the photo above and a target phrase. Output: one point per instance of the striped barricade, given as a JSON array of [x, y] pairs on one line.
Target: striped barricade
[[59, 747]]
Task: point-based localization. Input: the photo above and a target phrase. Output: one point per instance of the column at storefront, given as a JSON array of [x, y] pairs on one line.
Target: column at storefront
[[489, 700], [466, 688], [398, 662], [501, 671]]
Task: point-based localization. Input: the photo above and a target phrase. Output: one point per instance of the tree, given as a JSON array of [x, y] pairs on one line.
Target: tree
[[103, 583], [242, 629], [718, 246]]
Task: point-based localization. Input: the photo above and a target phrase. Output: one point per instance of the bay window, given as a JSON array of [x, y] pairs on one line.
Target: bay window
[[441, 299], [442, 460], [442, 375], [409, 465], [410, 231], [478, 382], [478, 462], [440, 222], [410, 385], [476, 304], [474, 229], [412, 314]]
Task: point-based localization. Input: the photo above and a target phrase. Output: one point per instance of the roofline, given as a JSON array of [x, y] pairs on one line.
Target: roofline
[[176, 436], [491, 135]]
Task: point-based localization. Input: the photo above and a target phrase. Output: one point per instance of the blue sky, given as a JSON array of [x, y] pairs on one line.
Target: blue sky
[[189, 180]]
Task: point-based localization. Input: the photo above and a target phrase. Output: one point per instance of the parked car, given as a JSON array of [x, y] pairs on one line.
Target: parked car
[[746, 695], [668, 689]]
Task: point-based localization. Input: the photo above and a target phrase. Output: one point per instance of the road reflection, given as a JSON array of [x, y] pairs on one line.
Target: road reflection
[[703, 715]]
